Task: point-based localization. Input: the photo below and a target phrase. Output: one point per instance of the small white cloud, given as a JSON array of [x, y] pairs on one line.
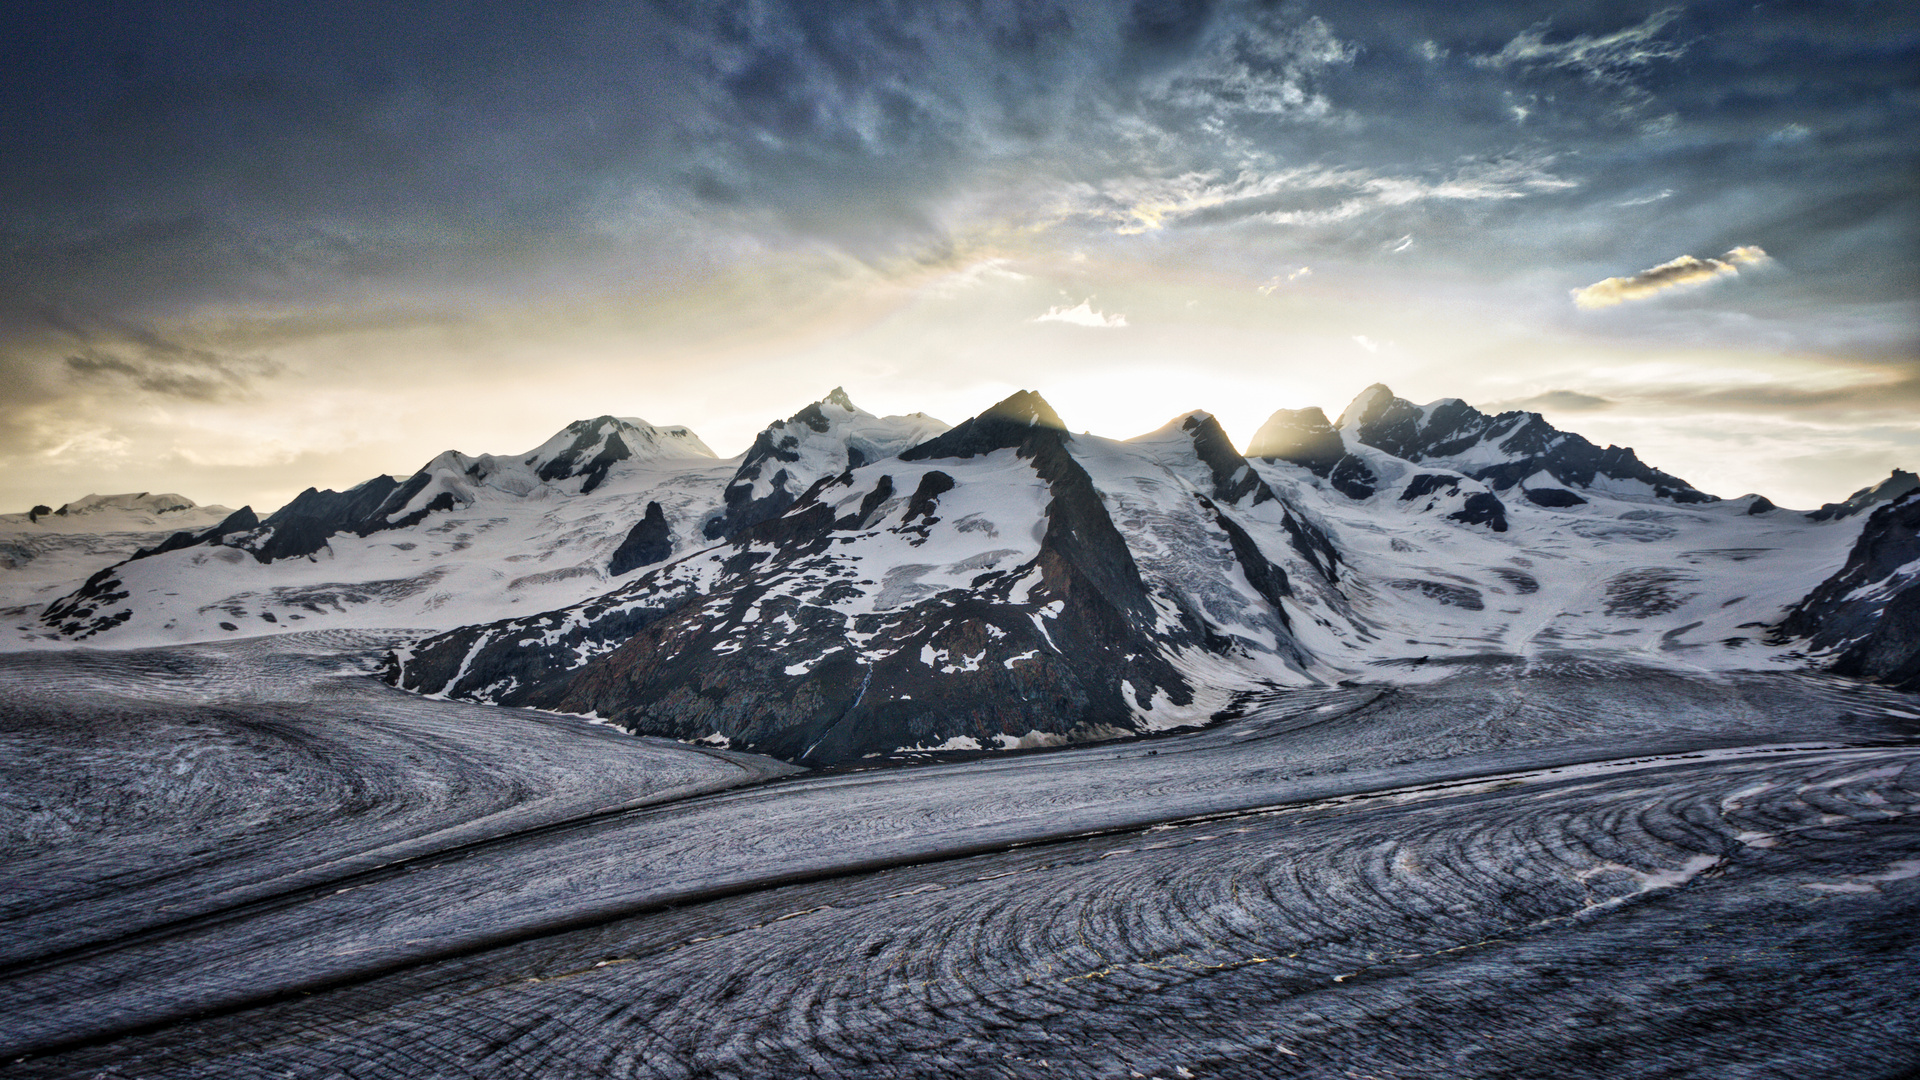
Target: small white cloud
[[1402, 244], [1792, 133], [1366, 343], [1681, 273], [1645, 199], [1082, 314], [1267, 287]]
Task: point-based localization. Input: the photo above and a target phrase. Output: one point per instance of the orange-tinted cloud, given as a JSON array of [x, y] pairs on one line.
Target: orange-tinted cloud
[[1683, 272]]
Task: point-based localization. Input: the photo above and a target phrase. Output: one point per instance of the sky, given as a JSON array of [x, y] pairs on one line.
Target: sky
[[256, 247]]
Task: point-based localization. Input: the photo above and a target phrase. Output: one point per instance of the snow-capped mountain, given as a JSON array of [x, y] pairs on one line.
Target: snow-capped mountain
[[46, 552], [856, 585], [1007, 583], [462, 539], [1867, 616], [824, 439], [1501, 453], [973, 590], [1899, 484]]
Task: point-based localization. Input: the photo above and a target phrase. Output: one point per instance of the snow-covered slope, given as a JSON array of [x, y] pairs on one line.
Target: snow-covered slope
[[464, 539], [45, 553]]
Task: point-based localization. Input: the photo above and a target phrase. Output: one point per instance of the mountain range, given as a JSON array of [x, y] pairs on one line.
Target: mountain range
[[856, 585]]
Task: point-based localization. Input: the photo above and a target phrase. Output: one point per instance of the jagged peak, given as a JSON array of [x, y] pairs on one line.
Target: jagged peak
[[1009, 423], [838, 396], [1027, 406], [1897, 485], [1301, 436], [1367, 406]]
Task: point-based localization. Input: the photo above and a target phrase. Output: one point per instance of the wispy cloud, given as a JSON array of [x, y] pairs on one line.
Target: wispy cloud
[[1555, 400], [147, 360], [1307, 196], [1083, 314], [1262, 69], [1611, 57], [1268, 286], [1894, 388], [1681, 273]]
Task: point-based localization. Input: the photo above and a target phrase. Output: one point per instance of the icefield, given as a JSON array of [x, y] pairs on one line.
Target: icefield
[[251, 859]]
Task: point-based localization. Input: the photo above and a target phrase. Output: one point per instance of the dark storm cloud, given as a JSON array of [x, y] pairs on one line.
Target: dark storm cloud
[[140, 358], [167, 157]]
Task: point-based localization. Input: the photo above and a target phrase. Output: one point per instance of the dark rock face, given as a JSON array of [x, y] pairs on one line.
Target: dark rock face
[[1428, 484], [1233, 478], [1303, 437], [1476, 508], [1867, 615], [34, 515], [1447, 429], [648, 542], [1898, 485], [1482, 508], [1557, 498], [241, 520], [1235, 482], [1267, 579], [303, 526], [1012, 424], [769, 655], [589, 455], [1352, 478], [84, 612], [300, 528]]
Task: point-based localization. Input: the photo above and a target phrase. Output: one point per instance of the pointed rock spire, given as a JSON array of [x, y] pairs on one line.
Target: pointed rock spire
[[1014, 422], [1302, 436]]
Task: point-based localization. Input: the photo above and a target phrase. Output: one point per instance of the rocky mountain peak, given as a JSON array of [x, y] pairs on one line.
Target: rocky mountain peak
[[1017, 421], [1900, 484], [823, 439], [1302, 436], [1504, 450], [1368, 406]]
